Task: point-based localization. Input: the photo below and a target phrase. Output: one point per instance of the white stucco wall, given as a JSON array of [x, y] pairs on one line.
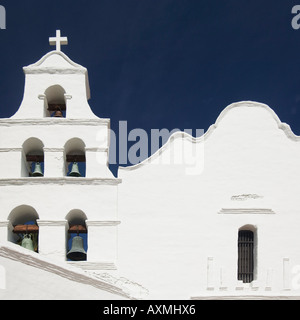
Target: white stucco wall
[[178, 235], [168, 226]]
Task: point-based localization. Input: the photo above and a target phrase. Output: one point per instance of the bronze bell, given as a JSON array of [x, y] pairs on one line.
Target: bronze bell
[[58, 114], [37, 170], [75, 170], [77, 252], [27, 242]]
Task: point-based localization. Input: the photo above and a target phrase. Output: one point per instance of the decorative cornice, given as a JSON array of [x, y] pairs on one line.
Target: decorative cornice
[[72, 68], [4, 224], [103, 223], [52, 223], [53, 70], [59, 181], [53, 121], [90, 149], [11, 149], [246, 211], [42, 96], [53, 149]]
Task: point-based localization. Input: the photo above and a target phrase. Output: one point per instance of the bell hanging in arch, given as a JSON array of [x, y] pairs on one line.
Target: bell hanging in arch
[[58, 114], [27, 242], [77, 252], [75, 170], [37, 170]]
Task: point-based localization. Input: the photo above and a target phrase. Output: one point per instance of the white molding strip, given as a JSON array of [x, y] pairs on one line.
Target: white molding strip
[[58, 181], [4, 224], [11, 149], [86, 265], [53, 121], [104, 223], [90, 149], [246, 211], [52, 223]]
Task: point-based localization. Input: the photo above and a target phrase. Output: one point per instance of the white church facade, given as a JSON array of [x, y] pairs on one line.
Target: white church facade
[[214, 217]]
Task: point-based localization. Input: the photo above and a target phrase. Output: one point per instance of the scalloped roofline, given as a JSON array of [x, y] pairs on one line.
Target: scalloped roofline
[[181, 134]]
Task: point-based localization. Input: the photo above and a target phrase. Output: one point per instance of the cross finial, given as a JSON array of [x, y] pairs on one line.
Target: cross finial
[[58, 40]]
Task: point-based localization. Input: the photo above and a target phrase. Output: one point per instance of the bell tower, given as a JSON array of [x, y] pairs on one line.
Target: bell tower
[[54, 177], [56, 83]]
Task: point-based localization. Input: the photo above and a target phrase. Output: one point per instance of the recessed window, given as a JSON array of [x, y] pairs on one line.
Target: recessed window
[[246, 256]]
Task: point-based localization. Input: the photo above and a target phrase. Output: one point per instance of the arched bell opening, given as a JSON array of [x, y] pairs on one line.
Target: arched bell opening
[[77, 236], [55, 102], [32, 158], [23, 228], [75, 160]]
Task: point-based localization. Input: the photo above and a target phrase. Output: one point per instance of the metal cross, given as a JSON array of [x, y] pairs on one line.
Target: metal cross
[[58, 40]]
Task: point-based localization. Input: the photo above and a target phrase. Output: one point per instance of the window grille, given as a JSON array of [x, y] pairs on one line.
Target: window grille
[[245, 256]]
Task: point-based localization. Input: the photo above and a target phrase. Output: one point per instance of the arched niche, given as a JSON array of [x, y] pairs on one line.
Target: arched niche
[[23, 220], [250, 227], [77, 227], [55, 102], [75, 157], [32, 156]]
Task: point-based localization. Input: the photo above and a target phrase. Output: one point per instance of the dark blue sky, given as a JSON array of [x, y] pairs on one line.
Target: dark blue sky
[[162, 63]]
